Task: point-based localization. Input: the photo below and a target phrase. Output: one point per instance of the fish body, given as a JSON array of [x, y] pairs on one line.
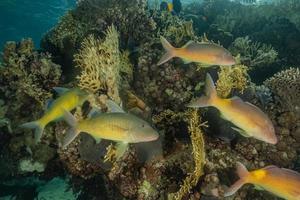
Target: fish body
[[281, 182], [68, 100], [118, 126], [123, 127], [249, 119], [205, 53]]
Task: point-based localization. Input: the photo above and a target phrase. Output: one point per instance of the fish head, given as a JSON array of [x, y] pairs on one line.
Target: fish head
[[143, 132], [225, 58], [267, 134]]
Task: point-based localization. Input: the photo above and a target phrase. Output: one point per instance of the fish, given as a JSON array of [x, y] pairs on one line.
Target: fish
[[249, 120], [284, 183], [117, 125], [68, 100], [206, 53]]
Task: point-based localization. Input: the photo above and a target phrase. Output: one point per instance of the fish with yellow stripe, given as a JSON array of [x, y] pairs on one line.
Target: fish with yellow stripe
[[249, 120], [118, 126], [281, 182], [68, 100], [205, 53]]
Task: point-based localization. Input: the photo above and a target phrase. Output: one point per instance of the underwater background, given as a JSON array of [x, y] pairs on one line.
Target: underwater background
[[108, 51]]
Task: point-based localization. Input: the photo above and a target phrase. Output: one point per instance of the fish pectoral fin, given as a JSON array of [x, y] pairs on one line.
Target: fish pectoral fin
[[257, 187], [94, 112], [121, 148], [202, 65], [49, 103], [186, 61], [61, 90], [98, 140], [242, 132], [113, 107]]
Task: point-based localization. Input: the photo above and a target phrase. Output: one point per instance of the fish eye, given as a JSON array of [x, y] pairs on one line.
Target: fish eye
[[143, 125]]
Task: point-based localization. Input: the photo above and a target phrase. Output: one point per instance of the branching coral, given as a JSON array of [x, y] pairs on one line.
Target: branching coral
[[199, 155], [253, 54], [101, 64], [234, 77], [285, 85]]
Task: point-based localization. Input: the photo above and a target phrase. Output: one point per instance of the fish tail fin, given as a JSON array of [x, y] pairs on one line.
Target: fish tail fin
[[243, 174], [72, 133], [38, 129], [209, 97], [169, 51]]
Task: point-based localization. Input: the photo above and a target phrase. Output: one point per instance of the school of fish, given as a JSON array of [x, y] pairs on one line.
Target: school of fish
[[125, 128]]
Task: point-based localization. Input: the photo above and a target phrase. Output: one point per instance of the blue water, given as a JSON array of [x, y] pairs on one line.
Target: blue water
[[29, 18]]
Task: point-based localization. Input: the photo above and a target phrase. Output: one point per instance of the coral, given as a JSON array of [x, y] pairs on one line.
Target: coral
[[253, 54], [285, 85], [26, 78], [130, 18], [31, 166], [199, 155], [232, 78], [101, 64]]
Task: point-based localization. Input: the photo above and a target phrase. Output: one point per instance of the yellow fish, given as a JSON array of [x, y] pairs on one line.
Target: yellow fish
[[249, 119], [282, 182], [205, 53], [118, 126], [68, 100], [170, 7]]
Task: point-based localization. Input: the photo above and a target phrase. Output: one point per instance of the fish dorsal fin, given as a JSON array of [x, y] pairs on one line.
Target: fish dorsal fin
[[236, 99], [291, 171], [188, 43], [113, 107], [94, 112], [270, 167], [61, 90]]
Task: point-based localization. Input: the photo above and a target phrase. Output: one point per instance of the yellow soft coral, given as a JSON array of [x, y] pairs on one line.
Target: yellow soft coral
[[234, 77], [101, 63], [199, 156]]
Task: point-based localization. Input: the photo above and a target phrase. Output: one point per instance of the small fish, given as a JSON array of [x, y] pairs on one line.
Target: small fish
[[282, 182], [205, 53], [118, 126], [68, 100], [249, 119]]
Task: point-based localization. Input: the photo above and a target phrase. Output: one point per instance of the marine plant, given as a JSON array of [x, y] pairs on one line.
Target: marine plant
[[232, 78], [285, 86], [253, 54]]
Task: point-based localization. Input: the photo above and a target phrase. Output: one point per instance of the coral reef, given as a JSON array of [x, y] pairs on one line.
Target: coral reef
[[253, 54], [232, 78], [116, 47], [285, 86]]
